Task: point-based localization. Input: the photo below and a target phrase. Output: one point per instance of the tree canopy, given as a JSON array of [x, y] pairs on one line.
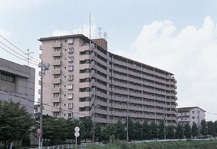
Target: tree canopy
[[15, 122]]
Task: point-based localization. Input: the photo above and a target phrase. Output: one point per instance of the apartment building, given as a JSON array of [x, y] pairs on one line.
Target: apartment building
[[86, 80], [190, 115], [17, 83]]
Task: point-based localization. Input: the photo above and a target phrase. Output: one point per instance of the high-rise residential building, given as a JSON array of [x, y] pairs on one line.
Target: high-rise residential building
[[190, 115], [86, 80], [17, 82]]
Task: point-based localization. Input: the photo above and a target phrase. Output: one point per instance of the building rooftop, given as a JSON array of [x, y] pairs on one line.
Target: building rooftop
[[183, 109]]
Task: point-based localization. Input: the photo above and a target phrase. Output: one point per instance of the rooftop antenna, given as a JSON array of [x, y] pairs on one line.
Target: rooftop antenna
[[89, 25], [99, 28], [82, 30], [105, 35]]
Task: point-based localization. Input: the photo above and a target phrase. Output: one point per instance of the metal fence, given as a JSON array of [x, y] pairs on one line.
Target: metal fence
[[65, 146]]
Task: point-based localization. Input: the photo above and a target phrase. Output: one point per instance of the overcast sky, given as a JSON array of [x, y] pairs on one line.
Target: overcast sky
[[177, 36]]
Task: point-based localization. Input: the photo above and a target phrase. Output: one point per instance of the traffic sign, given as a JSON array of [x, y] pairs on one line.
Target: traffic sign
[[38, 130], [38, 134], [77, 134], [77, 129]]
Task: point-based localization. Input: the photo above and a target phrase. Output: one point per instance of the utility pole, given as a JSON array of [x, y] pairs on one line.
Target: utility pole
[[43, 69], [94, 113], [198, 112], [164, 124], [28, 55]]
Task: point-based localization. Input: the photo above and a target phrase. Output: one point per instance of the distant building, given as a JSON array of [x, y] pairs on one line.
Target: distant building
[[17, 82], [190, 115], [86, 80]]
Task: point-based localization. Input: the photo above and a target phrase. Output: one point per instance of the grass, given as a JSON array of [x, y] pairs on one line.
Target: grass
[[189, 144]]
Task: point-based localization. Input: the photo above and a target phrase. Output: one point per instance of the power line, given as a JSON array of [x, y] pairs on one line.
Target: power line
[[17, 47]]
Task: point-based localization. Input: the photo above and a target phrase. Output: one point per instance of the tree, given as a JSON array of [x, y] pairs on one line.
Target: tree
[[97, 131], [131, 128], [161, 129], [194, 130], [203, 130], [187, 130], [53, 126], [170, 132], [215, 128], [179, 132], [138, 131], [108, 131], [145, 128], [15, 122], [211, 128], [88, 124], [154, 130], [120, 132]]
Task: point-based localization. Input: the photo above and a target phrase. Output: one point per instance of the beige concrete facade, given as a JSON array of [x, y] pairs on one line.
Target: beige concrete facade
[[81, 70], [190, 115], [17, 82]]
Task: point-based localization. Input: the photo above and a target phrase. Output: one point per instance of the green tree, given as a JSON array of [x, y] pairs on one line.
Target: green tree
[[170, 132], [211, 128], [154, 130], [70, 126], [88, 124], [120, 132], [131, 129], [179, 132], [145, 128], [161, 129], [53, 126], [108, 131], [203, 129], [187, 130], [194, 130], [98, 132], [138, 131], [15, 122], [215, 128]]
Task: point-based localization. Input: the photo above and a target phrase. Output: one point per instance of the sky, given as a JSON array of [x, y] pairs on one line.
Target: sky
[[177, 36]]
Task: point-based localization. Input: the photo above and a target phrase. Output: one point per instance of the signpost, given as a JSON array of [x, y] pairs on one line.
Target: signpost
[[39, 135], [77, 134]]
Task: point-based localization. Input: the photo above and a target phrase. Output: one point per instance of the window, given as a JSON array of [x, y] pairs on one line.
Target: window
[[56, 86], [69, 105], [56, 104], [70, 68], [56, 76], [70, 40], [70, 77], [56, 114], [7, 77], [57, 41], [71, 50], [70, 96], [70, 86], [71, 59], [193, 117], [69, 114], [192, 112], [56, 67], [56, 95], [56, 59]]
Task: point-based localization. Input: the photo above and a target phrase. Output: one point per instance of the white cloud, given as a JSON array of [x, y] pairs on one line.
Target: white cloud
[[60, 33], [190, 54]]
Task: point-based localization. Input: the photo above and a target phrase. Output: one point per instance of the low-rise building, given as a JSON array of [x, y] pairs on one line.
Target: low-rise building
[[190, 115], [17, 82]]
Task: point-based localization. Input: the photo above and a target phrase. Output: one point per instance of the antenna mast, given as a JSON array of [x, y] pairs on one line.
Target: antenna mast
[[89, 25], [99, 28]]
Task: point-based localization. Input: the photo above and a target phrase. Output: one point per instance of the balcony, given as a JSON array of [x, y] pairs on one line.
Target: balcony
[[56, 99], [56, 81], [57, 71], [57, 53], [56, 90], [57, 45], [55, 109], [56, 63]]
